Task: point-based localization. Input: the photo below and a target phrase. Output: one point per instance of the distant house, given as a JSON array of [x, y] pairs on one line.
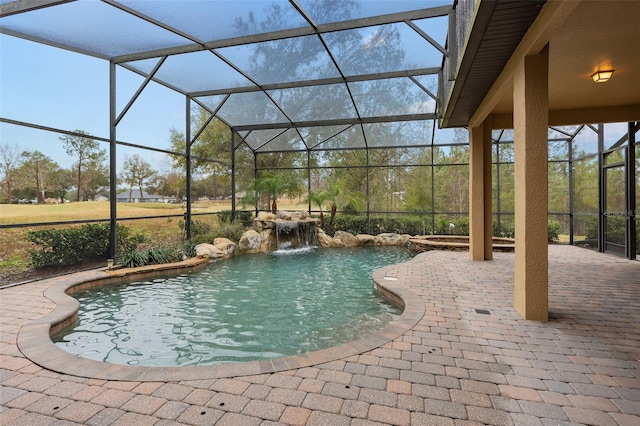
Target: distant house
[[136, 197]]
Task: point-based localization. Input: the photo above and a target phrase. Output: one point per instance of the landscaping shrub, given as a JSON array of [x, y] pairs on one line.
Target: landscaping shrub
[[415, 225], [591, 228], [356, 224], [73, 245], [198, 227], [507, 231], [460, 226], [553, 230], [503, 231], [242, 216], [150, 256], [232, 231], [348, 223]]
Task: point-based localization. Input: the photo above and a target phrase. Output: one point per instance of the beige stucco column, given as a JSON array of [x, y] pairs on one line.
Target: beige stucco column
[[480, 219], [531, 122]]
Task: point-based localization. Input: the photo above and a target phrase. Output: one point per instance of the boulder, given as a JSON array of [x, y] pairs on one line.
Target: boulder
[[346, 238], [268, 242], [265, 220], [294, 215], [266, 216], [250, 242], [284, 215], [389, 239], [299, 215], [225, 245], [325, 240], [208, 251], [366, 239]]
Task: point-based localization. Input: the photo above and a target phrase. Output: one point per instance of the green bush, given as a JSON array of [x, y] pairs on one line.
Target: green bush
[[503, 231], [553, 230], [198, 227], [507, 231], [591, 228], [356, 224], [348, 223], [231, 231], [242, 216], [73, 245], [444, 226]]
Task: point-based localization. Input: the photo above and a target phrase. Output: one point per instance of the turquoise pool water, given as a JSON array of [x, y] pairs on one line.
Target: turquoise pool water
[[249, 307]]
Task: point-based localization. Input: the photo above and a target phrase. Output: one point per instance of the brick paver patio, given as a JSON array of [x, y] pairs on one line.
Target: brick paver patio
[[466, 358]]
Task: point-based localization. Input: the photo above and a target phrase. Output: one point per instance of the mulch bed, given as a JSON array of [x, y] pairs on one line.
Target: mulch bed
[[29, 275]]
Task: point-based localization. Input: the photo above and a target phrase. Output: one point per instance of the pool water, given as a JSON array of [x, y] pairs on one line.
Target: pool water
[[248, 307]]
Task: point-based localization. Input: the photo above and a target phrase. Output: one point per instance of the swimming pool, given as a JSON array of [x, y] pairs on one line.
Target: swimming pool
[[249, 307]]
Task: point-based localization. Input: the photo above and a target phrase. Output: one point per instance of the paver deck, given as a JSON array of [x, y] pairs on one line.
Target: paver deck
[[467, 359]]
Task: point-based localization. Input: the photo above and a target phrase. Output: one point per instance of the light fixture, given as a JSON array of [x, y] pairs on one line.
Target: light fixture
[[602, 76]]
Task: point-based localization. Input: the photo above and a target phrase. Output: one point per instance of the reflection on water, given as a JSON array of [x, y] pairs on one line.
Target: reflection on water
[[248, 307]]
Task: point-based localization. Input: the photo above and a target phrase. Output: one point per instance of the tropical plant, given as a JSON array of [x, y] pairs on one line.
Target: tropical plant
[[275, 185], [318, 198], [341, 198]]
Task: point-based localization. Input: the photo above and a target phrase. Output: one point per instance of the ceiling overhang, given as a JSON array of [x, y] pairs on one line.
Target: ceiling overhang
[[582, 36], [497, 29]]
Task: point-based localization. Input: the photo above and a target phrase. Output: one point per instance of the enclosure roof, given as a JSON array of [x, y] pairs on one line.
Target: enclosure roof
[[276, 71]]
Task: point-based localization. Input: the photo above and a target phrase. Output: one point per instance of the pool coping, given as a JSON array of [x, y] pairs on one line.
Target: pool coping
[[34, 338]]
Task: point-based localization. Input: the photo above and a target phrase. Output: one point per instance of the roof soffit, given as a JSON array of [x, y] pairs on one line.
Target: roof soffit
[[498, 27]]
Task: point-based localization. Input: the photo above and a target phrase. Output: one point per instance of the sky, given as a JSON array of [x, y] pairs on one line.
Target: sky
[[65, 90]]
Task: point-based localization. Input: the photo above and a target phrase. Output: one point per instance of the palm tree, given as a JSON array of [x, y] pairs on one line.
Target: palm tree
[[276, 185], [341, 197], [318, 198], [336, 188]]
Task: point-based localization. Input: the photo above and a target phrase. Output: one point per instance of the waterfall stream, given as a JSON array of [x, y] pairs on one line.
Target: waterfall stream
[[295, 234]]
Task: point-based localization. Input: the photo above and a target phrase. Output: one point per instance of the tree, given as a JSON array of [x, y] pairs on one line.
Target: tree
[[418, 182], [61, 182], [136, 172], [9, 163], [274, 186], [341, 197], [96, 179], [211, 154], [88, 154], [451, 179], [319, 198], [38, 168], [170, 184]]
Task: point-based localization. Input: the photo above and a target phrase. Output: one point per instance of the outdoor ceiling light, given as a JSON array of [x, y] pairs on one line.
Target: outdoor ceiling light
[[601, 76]]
